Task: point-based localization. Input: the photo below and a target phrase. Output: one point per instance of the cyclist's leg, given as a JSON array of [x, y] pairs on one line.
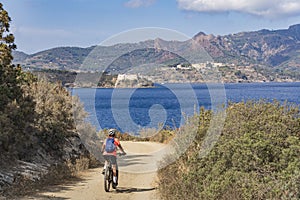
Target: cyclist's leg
[[114, 170], [105, 163], [114, 166]]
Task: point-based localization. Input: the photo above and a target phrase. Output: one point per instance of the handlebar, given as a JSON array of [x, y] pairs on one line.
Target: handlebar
[[121, 154]]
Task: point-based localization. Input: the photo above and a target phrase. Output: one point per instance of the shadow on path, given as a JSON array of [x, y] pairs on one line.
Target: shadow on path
[[54, 186], [131, 190], [133, 160]]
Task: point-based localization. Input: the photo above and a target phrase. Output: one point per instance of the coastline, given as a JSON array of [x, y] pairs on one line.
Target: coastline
[[192, 83]]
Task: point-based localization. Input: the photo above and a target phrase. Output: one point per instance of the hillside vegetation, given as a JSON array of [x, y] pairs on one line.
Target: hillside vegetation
[[38, 137], [256, 156]]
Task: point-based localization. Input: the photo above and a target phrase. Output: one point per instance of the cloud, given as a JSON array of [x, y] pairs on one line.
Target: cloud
[[139, 3], [264, 8]]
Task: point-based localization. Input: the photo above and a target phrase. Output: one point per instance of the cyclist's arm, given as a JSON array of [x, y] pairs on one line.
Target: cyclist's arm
[[120, 147], [118, 144]]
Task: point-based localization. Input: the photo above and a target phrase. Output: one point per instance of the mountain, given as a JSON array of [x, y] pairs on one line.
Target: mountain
[[57, 58], [269, 52], [19, 57], [271, 48]]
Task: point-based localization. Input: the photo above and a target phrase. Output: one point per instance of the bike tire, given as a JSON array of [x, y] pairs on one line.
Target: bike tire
[[107, 181]]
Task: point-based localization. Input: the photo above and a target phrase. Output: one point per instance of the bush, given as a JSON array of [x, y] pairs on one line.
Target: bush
[[256, 157], [146, 135]]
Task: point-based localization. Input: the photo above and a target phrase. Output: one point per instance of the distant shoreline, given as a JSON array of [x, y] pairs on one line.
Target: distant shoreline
[[227, 83]]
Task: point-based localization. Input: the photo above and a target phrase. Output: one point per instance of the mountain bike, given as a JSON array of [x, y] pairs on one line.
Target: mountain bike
[[108, 175]]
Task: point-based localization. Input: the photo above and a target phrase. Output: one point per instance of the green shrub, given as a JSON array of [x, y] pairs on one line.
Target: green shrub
[[256, 157]]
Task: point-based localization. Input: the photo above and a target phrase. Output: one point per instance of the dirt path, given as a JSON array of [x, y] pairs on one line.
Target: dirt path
[[137, 177]]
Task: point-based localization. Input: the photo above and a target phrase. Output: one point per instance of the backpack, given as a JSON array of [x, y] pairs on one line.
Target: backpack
[[110, 145]]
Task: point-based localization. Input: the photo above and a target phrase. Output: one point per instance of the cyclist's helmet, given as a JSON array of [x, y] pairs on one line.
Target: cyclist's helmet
[[112, 132]]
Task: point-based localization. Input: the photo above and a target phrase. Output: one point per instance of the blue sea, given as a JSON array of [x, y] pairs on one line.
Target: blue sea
[[168, 105]]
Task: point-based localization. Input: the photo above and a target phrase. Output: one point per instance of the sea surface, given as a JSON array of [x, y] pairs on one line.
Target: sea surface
[[168, 105]]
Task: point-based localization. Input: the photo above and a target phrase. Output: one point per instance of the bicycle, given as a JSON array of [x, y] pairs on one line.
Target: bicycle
[[108, 175]]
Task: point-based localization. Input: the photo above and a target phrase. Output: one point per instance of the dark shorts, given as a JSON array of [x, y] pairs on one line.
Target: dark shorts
[[111, 158]]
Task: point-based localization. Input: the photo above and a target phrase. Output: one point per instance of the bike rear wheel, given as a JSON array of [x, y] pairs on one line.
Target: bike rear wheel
[[107, 179]]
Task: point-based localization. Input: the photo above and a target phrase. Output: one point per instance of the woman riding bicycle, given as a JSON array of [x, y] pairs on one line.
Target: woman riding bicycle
[[109, 150]]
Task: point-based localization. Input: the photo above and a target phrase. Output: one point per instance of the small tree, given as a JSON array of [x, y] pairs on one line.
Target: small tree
[[16, 111], [6, 38]]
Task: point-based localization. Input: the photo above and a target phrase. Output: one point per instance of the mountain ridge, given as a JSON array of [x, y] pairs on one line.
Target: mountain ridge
[[275, 51]]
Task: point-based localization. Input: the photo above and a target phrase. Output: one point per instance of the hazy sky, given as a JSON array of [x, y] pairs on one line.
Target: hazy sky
[[43, 24]]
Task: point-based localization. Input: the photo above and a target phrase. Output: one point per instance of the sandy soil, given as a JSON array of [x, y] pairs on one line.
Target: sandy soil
[[137, 178]]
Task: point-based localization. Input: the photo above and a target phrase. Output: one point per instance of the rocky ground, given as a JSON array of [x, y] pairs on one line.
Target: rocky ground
[[18, 176]]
